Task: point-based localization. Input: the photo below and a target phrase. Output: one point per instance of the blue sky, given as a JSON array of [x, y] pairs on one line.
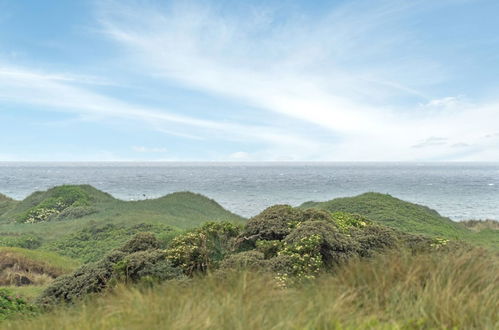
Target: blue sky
[[249, 80]]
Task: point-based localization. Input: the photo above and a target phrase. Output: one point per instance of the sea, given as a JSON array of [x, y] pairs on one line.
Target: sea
[[456, 190]]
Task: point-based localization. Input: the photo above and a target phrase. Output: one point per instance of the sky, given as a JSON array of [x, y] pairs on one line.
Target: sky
[[374, 80]]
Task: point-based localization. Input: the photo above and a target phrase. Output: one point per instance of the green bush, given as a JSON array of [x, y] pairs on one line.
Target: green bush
[[11, 305], [375, 238], [141, 242], [95, 240], [60, 199], [90, 278], [26, 241], [76, 212], [274, 223], [333, 245], [202, 249], [150, 264], [247, 260], [139, 258]]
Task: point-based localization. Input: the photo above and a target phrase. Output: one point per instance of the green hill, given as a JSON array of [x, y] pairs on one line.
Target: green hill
[[6, 204], [66, 209], [405, 216]]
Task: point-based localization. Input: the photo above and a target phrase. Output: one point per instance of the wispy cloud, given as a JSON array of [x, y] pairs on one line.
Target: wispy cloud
[[309, 69]]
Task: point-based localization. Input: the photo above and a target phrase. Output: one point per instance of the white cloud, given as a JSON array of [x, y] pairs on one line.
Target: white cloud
[[294, 69]]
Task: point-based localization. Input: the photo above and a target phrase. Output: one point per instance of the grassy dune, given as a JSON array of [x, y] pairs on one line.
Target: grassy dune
[[182, 210], [411, 218], [393, 291], [31, 266]]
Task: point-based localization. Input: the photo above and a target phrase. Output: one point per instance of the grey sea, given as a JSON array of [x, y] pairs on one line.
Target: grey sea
[[457, 190]]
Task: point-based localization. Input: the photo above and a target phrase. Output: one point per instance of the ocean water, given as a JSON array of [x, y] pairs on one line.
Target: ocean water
[[457, 190]]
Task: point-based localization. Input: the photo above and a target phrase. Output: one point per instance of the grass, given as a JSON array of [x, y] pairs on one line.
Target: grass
[[182, 210], [6, 204], [407, 217], [38, 267], [393, 291]]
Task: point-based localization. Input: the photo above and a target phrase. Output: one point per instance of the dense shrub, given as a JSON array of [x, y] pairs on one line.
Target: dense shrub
[[11, 304], [76, 212], [269, 248], [375, 238], [150, 264], [139, 258], [203, 248], [333, 245], [347, 221], [141, 242], [26, 241], [274, 223], [60, 199], [89, 278], [94, 241], [247, 260]]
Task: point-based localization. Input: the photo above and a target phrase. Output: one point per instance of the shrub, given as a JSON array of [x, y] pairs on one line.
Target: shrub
[[11, 305], [274, 223], [375, 238], [138, 259], [247, 260], [150, 264], [89, 278], [60, 199], [141, 242], [346, 221], [333, 245], [203, 248], [75, 212], [269, 248], [27, 241]]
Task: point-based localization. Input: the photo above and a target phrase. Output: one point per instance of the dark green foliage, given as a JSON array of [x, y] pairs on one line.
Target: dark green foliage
[[141, 242], [247, 260], [333, 245], [139, 258], [150, 264], [274, 223], [94, 241], [26, 241], [202, 249], [269, 248], [375, 238], [76, 212], [11, 305], [90, 278]]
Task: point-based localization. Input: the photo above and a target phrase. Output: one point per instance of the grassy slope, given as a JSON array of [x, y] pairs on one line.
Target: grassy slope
[[181, 210], [39, 259], [393, 291], [405, 216], [6, 204]]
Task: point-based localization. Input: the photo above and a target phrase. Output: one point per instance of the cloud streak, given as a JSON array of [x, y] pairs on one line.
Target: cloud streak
[[294, 68]]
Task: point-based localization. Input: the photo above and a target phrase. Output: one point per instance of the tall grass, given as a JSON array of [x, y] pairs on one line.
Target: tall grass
[[393, 291]]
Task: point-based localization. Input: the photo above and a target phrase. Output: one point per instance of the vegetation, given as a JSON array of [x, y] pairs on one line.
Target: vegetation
[[479, 225], [391, 291], [6, 204], [370, 261], [94, 241], [20, 267], [13, 305], [407, 217]]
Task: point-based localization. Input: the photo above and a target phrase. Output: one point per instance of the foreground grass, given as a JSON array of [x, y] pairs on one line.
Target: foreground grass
[[393, 291]]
